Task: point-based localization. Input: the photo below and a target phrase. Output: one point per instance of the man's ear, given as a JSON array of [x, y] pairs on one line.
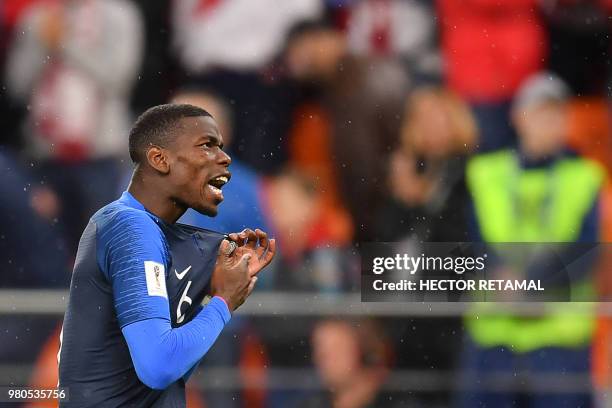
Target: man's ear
[[157, 158]]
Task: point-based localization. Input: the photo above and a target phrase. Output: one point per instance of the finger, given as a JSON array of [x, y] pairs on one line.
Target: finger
[[224, 248], [263, 242], [251, 285], [243, 234], [251, 238], [270, 252], [239, 238], [229, 248], [227, 251], [265, 259], [262, 236]]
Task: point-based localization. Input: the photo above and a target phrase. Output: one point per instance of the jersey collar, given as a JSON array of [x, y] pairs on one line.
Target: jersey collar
[[131, 201]]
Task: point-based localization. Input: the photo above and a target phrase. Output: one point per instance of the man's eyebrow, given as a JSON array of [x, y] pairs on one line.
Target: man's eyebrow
[[212, 138]]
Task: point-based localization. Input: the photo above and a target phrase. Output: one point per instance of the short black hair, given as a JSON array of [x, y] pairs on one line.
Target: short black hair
[[156, 125]]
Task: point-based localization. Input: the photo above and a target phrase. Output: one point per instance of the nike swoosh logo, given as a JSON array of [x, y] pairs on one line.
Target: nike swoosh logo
[[182, 274]]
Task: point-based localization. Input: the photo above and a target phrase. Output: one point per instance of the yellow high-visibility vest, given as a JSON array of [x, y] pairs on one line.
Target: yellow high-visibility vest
[[514, 204]]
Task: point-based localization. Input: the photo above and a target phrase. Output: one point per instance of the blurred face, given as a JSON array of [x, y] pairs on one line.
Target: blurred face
[[198, 165], [542, 129], [430, 128], [336, 353], [314, 55]]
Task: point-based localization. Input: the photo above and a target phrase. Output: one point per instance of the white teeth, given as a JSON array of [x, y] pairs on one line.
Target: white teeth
[[221, 179], [215, 189]]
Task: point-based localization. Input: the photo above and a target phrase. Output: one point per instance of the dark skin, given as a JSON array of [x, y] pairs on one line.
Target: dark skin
[[172, 178]]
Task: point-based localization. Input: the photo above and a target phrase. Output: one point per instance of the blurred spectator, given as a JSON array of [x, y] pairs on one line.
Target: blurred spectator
[[32, 250], [313, 255], [426, 173], [353, 360], [542, 193], [73, 63], [310, 154], [396, 28], [429, 202], [363, 98], [489, 48], [218, 50], [33, 254]]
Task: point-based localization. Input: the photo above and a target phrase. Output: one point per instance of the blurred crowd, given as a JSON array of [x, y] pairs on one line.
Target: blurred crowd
[[348, 121]]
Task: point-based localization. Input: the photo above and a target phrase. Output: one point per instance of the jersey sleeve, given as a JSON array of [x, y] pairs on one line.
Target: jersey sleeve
[[132, 254], [162, 355]]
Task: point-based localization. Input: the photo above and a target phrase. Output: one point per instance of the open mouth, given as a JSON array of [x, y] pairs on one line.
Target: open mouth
[[216, 183]]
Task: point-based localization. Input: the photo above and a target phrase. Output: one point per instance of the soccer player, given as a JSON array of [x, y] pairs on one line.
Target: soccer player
[[135, 327]]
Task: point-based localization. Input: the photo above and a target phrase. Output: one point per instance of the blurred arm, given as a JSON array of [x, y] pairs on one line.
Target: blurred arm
[[113, 62]]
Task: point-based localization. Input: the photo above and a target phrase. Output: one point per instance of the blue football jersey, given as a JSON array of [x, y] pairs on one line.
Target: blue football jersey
[[130, 266]]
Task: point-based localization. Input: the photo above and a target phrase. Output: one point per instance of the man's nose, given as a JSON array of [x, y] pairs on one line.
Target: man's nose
[[224, 158]]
